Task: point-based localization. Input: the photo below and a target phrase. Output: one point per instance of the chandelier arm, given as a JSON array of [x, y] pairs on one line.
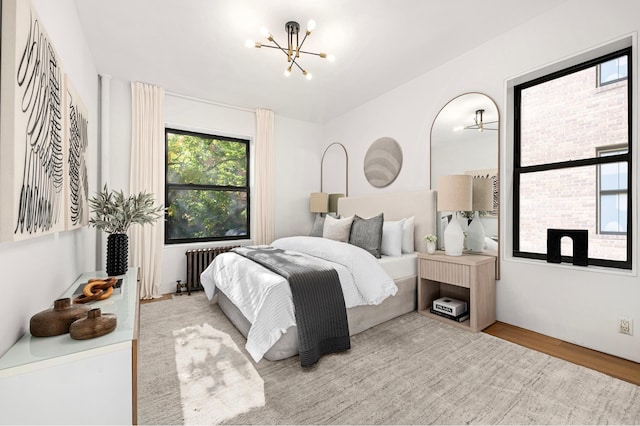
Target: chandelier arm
[[271, 47], [278, 46], [310, 53], [293, 61], [296, 64], [303, 40]]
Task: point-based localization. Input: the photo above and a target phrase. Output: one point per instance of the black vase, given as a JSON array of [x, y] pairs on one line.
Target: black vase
[[117, 254]]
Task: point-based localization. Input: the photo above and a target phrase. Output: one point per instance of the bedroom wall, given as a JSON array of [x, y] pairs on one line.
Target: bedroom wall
[[297, 161], [577, 305], [35, 272]]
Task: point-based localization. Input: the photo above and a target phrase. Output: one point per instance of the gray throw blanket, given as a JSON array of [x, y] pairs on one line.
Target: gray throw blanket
[[321, 315]]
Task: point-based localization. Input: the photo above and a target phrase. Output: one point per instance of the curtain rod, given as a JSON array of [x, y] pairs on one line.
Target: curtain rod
[[206, 101]]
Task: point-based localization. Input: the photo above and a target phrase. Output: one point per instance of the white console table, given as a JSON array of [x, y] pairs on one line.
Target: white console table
[[59, 380]]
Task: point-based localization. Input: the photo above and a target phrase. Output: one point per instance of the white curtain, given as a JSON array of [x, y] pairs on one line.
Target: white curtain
[[147, 174], [264, 194]]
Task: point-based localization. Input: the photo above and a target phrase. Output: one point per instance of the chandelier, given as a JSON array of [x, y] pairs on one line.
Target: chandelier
[[480, 124], [294, 46]]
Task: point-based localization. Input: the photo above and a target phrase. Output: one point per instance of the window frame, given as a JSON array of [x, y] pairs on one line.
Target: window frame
[[203, 187], [600, 192], [519, 170], [600, 83]]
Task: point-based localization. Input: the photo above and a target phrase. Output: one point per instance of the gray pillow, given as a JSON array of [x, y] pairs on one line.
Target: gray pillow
[[318, 226], [367, 234]]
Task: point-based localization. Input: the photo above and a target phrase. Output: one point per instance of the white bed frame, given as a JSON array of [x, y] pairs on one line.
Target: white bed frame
[[395, 206]]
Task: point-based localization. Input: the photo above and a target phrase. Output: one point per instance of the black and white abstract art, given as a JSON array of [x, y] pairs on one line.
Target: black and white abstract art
[[35, 171], [77, 181]]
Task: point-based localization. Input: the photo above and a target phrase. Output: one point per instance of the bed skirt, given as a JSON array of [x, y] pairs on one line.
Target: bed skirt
[[360, 318]]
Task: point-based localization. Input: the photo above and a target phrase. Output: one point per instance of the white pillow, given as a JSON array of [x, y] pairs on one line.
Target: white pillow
[[407, 235], [337, 229], [392, 238]]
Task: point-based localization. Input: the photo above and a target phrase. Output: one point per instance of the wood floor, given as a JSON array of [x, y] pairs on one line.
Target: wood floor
[[607, 364]]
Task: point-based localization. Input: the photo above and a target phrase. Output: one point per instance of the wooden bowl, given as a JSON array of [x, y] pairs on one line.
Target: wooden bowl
[[94, 325], [57, 320]]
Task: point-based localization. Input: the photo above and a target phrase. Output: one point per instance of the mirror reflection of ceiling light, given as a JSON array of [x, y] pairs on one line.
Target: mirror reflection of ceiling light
[[292, 51], [479, 124]]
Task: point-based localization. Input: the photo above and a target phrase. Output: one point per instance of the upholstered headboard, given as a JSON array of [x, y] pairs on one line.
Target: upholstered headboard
[[396, 206]]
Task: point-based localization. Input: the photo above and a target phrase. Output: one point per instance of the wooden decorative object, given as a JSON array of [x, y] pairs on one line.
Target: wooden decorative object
[[96, 324], [96, 289], [56, 321]]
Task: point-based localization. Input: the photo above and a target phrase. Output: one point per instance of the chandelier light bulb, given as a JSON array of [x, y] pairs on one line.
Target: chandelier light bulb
[[265, 32], [287, 72], [330, 58], [308, 75], [311, 25], [249, 43]]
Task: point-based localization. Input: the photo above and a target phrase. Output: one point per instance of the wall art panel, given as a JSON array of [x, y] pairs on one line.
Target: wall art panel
[[382, 162], [495, 179], [76, 144], [31, 132]]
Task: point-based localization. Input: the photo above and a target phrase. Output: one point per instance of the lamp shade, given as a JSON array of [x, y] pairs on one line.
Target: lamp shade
[[333, 202], [455, 193], [482, 194], [319, 202]]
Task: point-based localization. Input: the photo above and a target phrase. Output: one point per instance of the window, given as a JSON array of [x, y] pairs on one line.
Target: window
[[612, 71], [612, 193], [207, 187], [571, 161]]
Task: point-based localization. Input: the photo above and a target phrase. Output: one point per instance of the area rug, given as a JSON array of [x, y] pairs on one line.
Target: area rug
[[193, 369]]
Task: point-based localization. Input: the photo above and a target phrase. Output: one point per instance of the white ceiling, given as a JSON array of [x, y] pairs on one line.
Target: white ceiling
[[197, 47]]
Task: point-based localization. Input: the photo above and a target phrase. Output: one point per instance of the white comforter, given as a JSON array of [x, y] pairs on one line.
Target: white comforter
[[264, 297]]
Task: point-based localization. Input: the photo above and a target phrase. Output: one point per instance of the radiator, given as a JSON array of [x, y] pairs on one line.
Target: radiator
[[197, 262]]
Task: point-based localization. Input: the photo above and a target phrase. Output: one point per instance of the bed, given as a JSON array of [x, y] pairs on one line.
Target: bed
[[282, 341]]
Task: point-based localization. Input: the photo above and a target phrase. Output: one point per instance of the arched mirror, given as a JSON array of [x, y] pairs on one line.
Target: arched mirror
[[465, 139]]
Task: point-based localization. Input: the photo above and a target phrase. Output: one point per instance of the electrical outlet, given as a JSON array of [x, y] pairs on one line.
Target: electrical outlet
[[625, 325]]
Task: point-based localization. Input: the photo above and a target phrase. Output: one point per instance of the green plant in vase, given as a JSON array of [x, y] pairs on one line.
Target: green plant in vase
[[114, 213]]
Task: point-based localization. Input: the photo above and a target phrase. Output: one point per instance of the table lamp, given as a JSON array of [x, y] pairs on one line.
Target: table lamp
[[319, 202], [333, 202], [482, 201], [455, 193]]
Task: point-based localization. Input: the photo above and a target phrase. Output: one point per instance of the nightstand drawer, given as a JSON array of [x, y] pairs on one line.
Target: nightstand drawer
[[452, 273]]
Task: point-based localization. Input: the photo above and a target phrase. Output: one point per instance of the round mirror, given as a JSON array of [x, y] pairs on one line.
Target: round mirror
[[465, 139]]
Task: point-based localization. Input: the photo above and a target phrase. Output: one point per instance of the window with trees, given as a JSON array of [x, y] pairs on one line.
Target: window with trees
[[206, 187], [571, 161]]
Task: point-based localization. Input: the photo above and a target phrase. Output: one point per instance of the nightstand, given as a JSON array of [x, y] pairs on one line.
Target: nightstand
[[470, 277]]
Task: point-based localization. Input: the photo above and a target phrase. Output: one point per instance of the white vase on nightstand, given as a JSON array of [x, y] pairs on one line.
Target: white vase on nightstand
[[431, 247]]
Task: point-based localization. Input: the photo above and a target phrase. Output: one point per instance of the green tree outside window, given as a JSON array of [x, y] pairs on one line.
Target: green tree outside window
[[207, 187]]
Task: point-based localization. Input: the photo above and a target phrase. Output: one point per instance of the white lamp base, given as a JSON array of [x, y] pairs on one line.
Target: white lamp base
[[476, 234], [453, 238]]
